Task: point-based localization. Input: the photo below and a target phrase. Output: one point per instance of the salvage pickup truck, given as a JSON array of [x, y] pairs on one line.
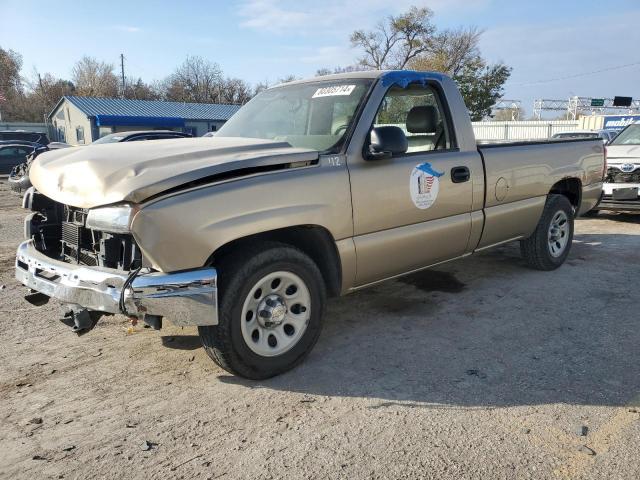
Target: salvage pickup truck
[[314, 188]]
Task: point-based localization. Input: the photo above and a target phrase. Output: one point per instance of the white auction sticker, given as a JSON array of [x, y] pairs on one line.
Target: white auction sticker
[[424, 185], [336, 90]]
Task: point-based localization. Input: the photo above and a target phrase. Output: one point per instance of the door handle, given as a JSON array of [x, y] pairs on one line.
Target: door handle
[[460, 174]]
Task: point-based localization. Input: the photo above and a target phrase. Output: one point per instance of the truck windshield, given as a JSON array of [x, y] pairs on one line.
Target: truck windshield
[[308, 115], [629, 136]]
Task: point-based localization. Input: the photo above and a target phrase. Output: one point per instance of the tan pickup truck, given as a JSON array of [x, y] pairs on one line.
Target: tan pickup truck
[[314, 188]]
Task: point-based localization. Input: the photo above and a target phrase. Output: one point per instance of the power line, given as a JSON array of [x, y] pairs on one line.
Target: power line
[[577, 75]]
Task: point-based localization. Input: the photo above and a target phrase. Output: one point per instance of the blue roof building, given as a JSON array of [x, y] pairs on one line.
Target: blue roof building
[[81, 120]]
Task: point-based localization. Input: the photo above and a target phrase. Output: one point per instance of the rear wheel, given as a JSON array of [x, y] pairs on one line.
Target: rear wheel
[[271, 302], [549, 245]]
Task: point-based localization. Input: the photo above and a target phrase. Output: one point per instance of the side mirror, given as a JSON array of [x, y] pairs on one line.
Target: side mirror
[[386, 142]]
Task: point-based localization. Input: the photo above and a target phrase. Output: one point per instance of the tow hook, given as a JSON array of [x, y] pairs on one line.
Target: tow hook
[[80, 319]]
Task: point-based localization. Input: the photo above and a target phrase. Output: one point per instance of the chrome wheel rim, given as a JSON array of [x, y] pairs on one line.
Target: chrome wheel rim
[[275, 314], [558, 234]]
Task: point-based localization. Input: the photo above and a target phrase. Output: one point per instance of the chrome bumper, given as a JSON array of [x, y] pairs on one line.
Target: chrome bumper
[[185, 298]]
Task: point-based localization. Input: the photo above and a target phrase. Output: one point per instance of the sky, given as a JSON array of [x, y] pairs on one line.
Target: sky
[[545, 41]]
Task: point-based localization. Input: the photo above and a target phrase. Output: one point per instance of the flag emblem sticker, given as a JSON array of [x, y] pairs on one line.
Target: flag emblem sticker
[[424, 185]]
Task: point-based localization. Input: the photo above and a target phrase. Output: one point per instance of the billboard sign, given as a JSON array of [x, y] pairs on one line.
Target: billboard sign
[[619, 122]]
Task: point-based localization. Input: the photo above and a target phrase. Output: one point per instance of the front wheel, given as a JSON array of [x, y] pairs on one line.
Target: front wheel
[[549, 245], [271, 302]]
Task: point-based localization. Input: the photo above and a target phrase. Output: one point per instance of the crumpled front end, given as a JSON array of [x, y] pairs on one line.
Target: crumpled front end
[[101, 271], [621, 189]]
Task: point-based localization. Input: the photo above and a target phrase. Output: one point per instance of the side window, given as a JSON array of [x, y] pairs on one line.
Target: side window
[[8, 152], [418, 112], [80, 134]]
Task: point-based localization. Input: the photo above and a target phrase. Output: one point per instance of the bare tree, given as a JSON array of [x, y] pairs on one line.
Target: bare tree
[[396, 40], [288, 78], [260, 86], [236, 91], [321, 72], [10, 65], [93, 78], [196, 80], [10, 84]]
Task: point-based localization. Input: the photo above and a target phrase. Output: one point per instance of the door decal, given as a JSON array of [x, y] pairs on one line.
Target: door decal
[[424, 185]]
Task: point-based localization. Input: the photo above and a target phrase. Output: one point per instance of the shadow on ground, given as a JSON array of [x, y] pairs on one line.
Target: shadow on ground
[[485, 332], [626, 217], [181, 342]]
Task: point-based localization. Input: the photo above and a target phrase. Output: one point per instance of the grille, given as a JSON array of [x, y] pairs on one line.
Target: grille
[[71, 233], [616, 176], [76, 239]]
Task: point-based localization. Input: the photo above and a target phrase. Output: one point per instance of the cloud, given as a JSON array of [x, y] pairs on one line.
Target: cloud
[[267, 15], [127, 28], [317, 18]]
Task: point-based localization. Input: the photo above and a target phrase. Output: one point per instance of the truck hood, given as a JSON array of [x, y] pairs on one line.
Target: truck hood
[[623, 153], [97, 175]]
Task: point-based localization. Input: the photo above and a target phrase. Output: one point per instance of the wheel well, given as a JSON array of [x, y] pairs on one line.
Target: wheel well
[[570, 188], [313, 240]]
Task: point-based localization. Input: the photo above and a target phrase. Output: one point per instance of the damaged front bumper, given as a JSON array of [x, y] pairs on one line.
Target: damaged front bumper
[[185, 298]]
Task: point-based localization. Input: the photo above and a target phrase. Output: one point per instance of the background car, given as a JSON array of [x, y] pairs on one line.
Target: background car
[[621, 189], [14, 153], [23, 135]]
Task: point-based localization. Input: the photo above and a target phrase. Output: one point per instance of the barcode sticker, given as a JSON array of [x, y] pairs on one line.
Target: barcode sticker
[[336, 90]]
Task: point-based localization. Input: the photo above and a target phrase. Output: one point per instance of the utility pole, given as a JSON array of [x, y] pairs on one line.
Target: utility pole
[[122, 72]]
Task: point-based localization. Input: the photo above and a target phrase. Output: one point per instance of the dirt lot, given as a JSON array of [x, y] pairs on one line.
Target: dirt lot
[[479, 369]]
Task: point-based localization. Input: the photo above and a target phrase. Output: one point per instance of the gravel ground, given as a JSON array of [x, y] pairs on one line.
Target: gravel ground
[[479, 369]]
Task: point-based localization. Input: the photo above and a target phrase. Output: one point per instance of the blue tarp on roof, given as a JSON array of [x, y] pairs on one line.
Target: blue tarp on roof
[[114, 120], [118, 107]]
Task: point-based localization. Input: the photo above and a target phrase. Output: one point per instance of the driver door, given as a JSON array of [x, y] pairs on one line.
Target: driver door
[[408, 211]]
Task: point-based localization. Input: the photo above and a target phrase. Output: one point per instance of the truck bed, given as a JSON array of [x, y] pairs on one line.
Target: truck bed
[[503, 143], [518, 175]]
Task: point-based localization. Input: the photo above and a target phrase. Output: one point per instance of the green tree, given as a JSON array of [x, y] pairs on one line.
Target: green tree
[[481, 85]]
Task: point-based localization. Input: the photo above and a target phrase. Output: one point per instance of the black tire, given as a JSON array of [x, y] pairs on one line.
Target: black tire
[[237, 275], [536, 249]]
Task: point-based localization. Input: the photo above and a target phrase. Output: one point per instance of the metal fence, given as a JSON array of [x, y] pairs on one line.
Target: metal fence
[[527, 130], [29, 127]]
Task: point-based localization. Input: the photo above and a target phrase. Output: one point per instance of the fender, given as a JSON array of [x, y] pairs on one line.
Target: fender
[[181, 230]]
